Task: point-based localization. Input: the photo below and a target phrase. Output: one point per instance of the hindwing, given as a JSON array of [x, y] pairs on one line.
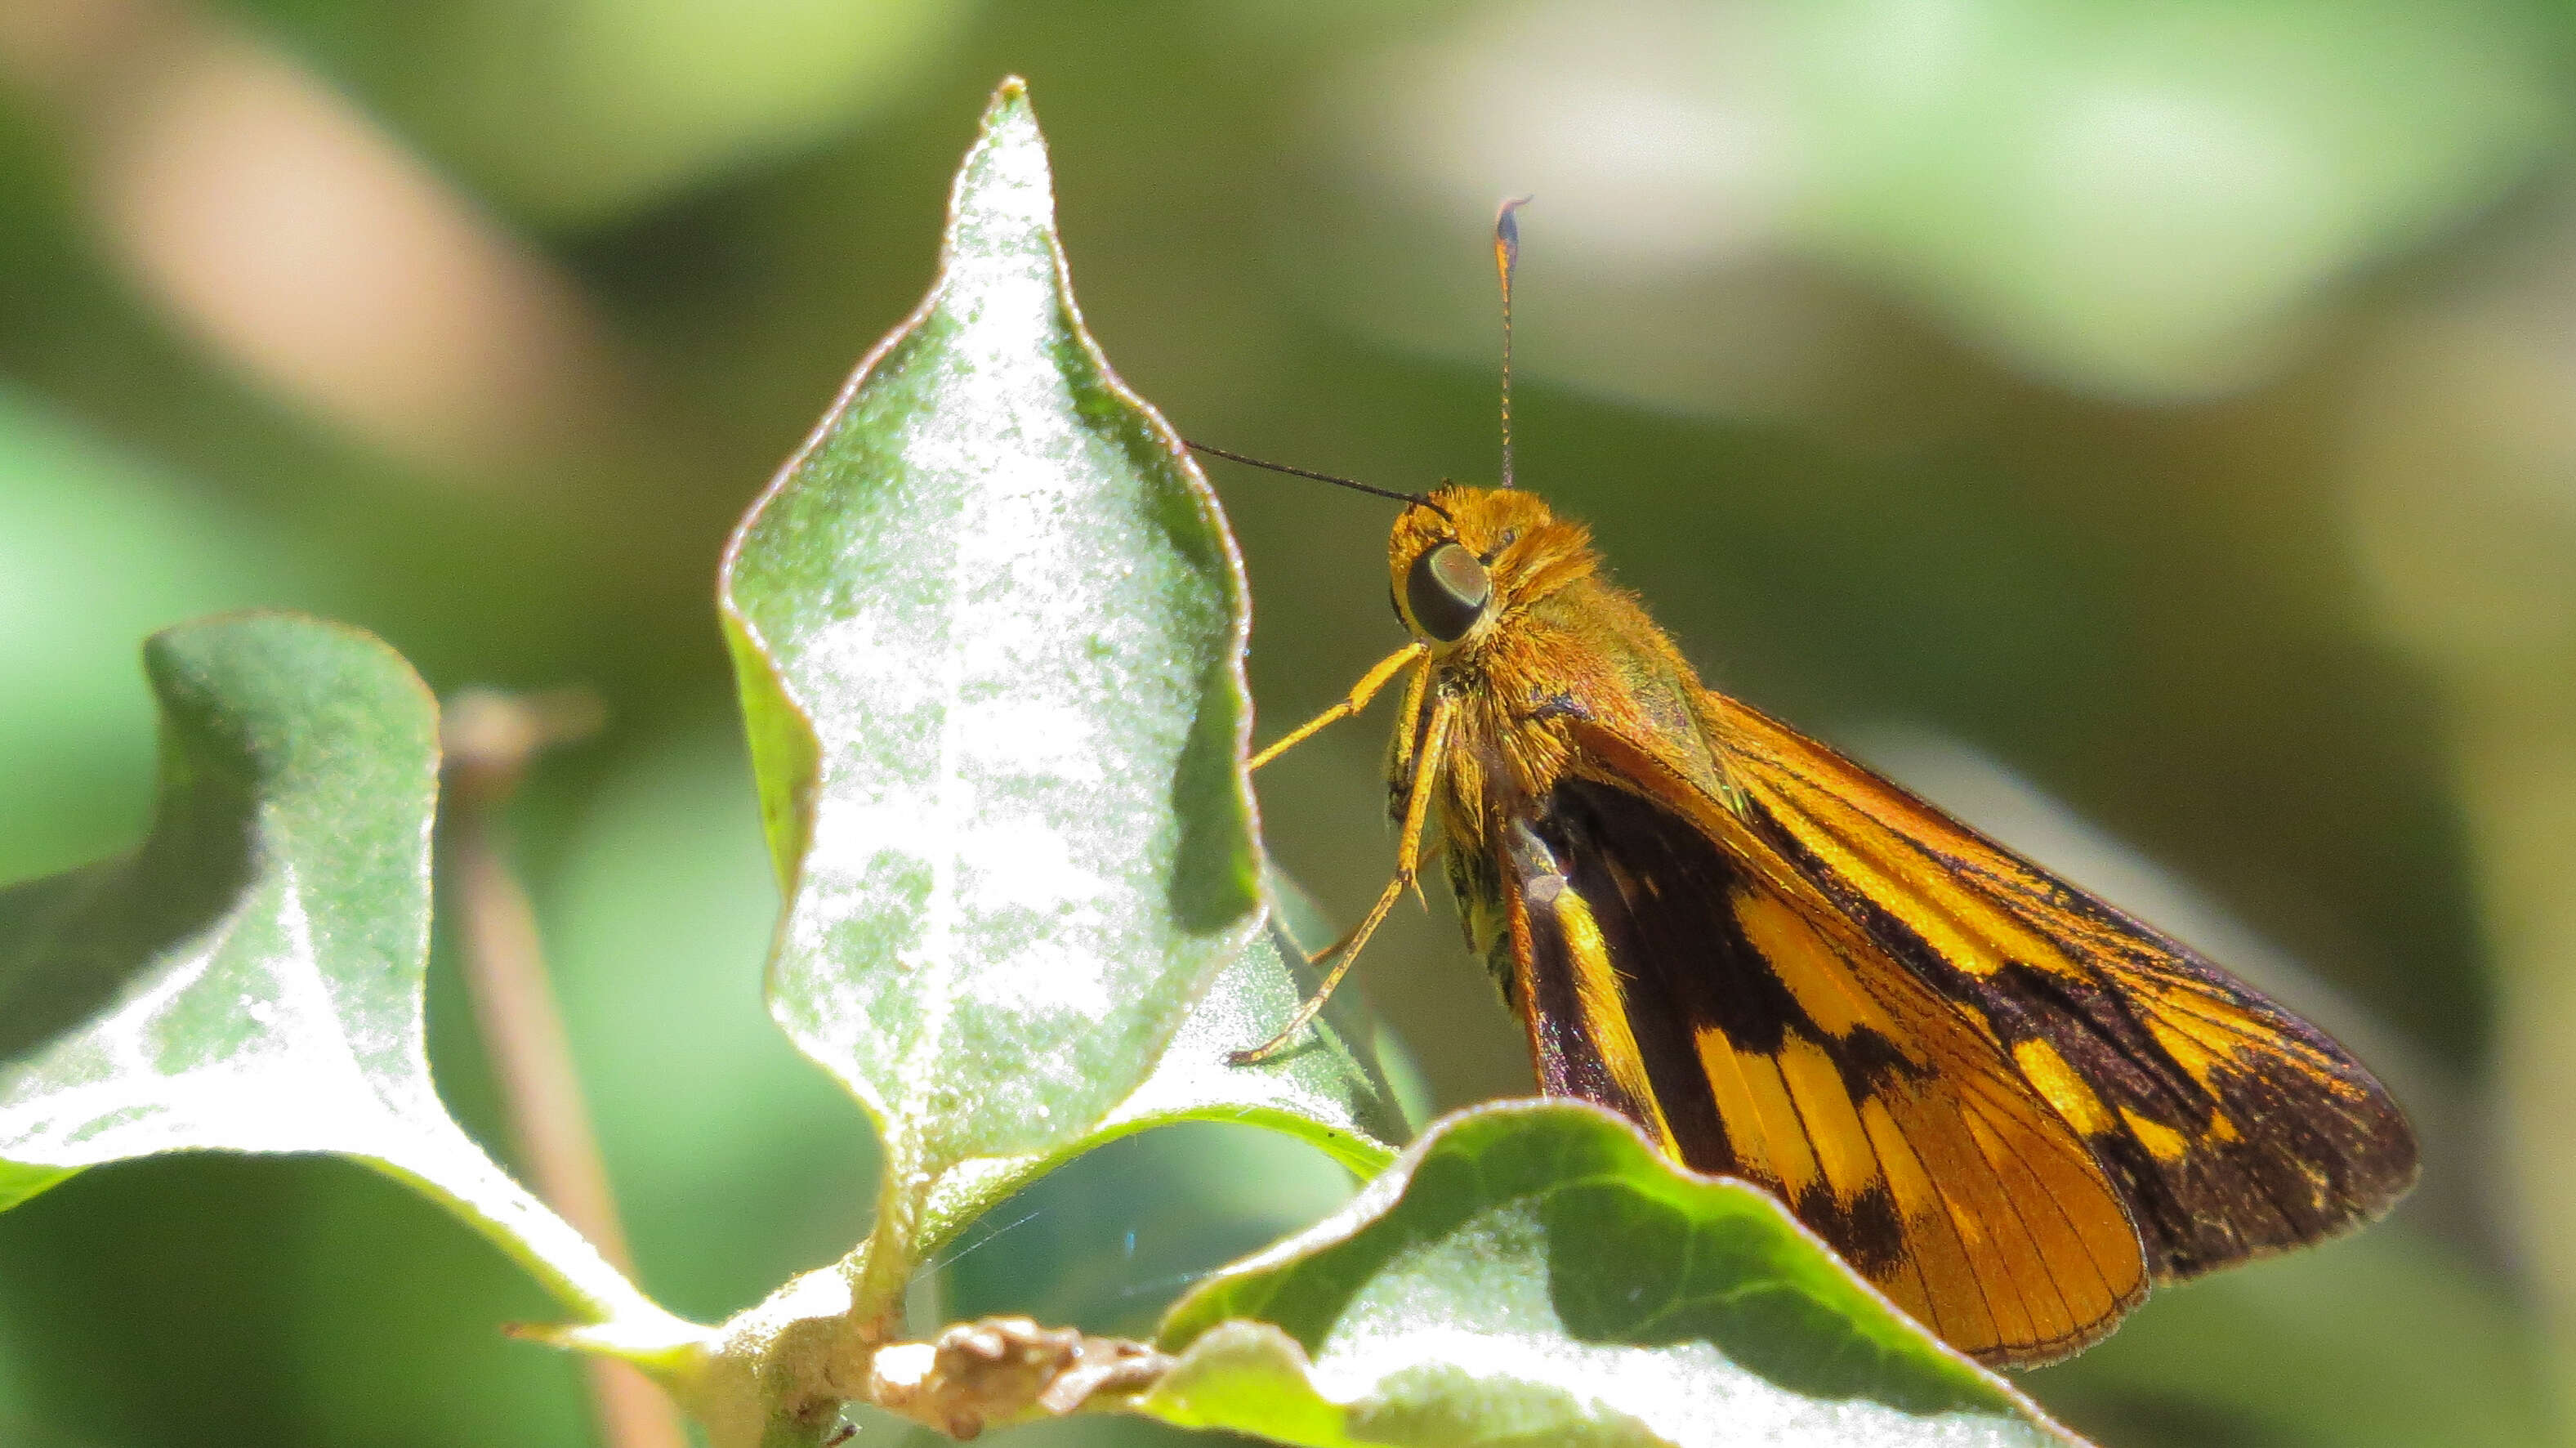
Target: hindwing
[[1661, 980]]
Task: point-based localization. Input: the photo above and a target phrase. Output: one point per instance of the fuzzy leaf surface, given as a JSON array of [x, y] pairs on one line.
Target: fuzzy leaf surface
[[989, 629], [250, 978]]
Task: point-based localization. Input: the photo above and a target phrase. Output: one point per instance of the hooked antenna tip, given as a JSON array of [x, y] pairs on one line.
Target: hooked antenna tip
[[1507, 255]]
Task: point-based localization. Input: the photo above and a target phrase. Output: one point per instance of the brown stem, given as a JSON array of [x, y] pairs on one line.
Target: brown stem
[[489, 739], [1002, 1370]]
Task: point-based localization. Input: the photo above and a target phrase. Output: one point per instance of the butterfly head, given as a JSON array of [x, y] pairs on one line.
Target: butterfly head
[[1461, 566]]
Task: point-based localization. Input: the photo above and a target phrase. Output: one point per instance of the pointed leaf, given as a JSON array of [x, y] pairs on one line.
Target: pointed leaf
[[989, 629], [1536, 1272], [250, 979]]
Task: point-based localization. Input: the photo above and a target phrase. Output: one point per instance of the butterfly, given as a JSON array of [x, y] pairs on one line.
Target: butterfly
[[2006, 1103]]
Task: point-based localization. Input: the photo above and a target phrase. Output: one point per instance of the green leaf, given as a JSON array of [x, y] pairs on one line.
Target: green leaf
[[1535, 1272], [250, 979], [989, 629]]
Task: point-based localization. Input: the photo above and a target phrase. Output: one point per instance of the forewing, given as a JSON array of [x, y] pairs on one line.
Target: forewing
[[2232, 1127], [1662, 979]]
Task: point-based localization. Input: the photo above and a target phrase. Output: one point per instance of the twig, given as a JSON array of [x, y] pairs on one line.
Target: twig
[[489, 740], [1002, 1370]]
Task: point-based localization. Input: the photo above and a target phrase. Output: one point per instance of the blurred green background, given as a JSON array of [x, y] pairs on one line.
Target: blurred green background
[[2148, 428]]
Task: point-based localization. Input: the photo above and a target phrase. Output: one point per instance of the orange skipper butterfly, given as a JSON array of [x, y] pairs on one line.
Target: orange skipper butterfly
[[2008, 1104]]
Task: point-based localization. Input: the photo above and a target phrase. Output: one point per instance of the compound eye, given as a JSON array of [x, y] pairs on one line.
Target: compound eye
[[1447, 590]]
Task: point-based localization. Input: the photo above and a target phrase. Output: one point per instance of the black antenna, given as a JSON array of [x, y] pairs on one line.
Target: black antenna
[[1507, 254], [1415, 499]]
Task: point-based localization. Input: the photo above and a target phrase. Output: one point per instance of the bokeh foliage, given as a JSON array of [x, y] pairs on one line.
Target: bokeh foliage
[[2111, 395]]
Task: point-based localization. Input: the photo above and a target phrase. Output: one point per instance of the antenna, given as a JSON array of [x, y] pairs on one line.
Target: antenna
[[1507, 254], [1416, 499]]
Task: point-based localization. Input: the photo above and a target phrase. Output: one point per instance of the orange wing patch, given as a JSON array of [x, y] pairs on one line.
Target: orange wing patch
[[2013, 1244]]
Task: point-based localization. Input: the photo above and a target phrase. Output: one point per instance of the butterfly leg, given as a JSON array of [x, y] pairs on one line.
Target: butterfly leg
[[1361, 692], [1408, 864], [1408, 726], [1399, 767]]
